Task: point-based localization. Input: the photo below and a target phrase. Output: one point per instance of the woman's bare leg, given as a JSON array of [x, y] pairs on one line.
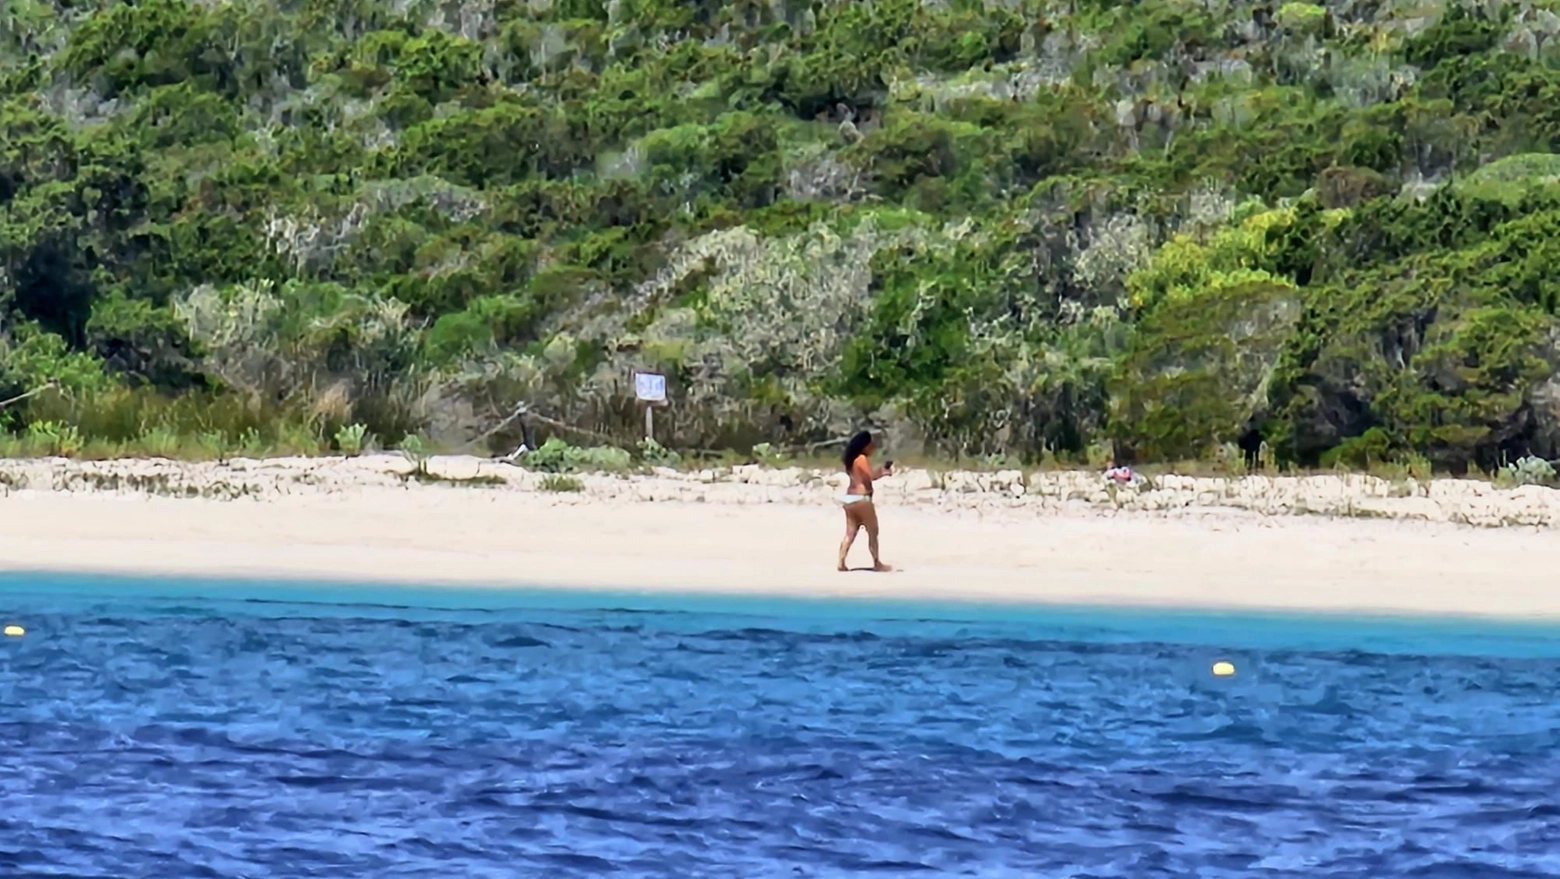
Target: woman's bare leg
[[852, 525], [869, 521]]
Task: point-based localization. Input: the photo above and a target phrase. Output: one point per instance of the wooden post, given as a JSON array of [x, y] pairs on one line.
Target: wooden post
[[649, 422]]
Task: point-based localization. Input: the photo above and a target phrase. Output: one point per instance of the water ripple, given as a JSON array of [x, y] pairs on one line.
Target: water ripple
[[179, 739]]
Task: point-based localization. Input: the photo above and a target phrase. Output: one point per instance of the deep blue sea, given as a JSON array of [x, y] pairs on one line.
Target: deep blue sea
[[169, 729]]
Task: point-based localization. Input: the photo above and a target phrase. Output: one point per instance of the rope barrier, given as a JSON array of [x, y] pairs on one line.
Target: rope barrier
[[523, 410]]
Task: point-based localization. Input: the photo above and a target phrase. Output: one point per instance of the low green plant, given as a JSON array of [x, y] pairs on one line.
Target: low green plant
[[415, 449], [213, 444], [656, 455], [352, 439], [294, 439], [1529, 470], [250, 443], [558, 456], [769, 456], [559, 482], [1418, 467], [160, 442], [12, 446], [53, 439]]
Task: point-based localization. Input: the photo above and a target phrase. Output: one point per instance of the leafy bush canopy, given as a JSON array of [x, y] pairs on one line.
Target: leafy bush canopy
[[1012, 228]]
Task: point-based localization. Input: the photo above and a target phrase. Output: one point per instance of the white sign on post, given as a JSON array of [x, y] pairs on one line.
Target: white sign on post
[[649, 387]]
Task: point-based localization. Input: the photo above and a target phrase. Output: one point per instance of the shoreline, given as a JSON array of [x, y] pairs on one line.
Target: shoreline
[[1199, 545]]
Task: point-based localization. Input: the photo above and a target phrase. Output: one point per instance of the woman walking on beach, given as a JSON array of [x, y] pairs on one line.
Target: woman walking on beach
[[859, 512]]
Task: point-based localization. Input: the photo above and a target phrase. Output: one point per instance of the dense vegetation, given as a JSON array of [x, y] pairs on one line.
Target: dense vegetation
[[1004, 227]]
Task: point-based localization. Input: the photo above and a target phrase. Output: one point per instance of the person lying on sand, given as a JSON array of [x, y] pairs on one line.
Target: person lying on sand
[[859, 512]]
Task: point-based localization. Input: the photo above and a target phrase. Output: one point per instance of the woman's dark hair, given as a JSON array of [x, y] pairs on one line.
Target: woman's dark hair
[[855, 447]]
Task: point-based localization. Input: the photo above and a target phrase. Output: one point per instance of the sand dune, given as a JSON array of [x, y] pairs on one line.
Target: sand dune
[[1364, 545]]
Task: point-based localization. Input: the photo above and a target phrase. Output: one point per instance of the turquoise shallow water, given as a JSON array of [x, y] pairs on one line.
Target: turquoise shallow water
[[193, 729]]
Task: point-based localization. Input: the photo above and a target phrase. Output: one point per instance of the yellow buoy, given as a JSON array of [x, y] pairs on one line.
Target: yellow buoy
[[1223, 669], [15, 631]]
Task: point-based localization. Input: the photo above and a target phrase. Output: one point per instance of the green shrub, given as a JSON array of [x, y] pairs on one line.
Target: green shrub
[[1512, 178], [214, 444], [1024, 229], [1197, 370], [1361, 453], [160, 442], [52, 439], [654, 454], [558, 456], [1302, 18], [1528, 471], [352, 439]]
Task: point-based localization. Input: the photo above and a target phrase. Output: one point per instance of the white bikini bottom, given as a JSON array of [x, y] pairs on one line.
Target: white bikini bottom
[[849, 499]]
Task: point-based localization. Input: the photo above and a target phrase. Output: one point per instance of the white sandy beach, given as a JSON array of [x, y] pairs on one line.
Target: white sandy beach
[[1326, 543]]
